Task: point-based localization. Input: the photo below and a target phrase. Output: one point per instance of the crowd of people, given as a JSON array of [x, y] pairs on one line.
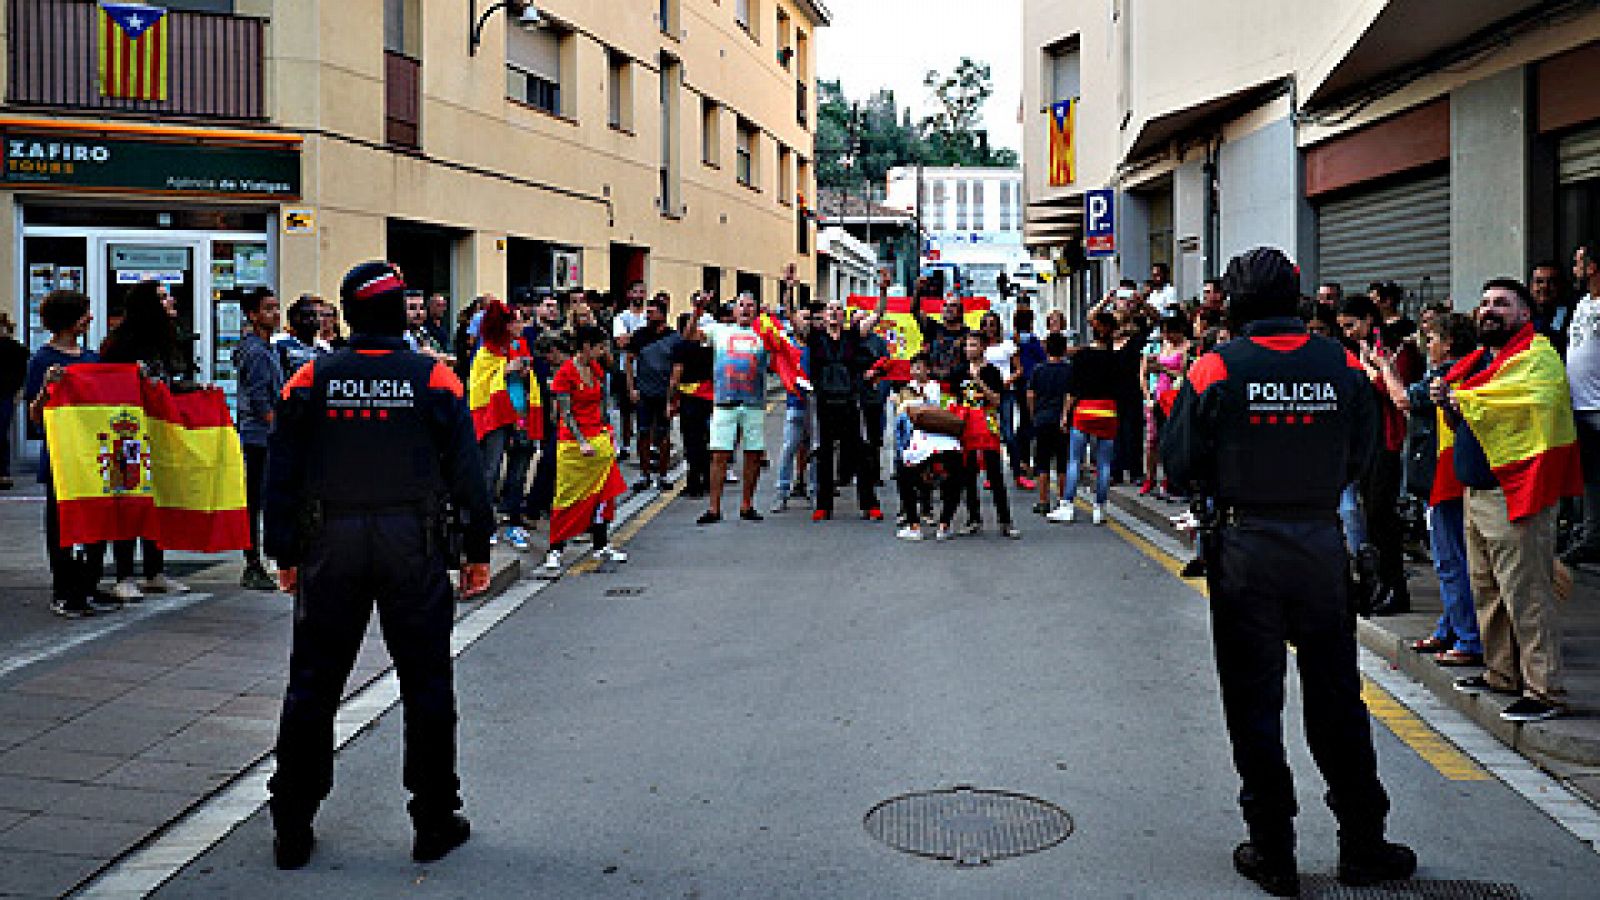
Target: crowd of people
[[563, 387]]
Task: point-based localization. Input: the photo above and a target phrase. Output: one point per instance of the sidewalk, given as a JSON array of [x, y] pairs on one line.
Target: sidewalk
[[113, 726], [1569, 746]]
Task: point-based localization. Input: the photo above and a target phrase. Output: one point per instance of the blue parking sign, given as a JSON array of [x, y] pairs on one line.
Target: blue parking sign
[[1099, 224]]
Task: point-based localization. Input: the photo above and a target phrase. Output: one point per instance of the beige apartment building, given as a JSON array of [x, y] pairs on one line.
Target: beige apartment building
[[1429, 142], [486, 147]]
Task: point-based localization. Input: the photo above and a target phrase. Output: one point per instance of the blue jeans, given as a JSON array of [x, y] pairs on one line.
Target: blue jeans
[[1355, 524], [1447, 543], [796, 436], [506, 445], [1008, 430], [1104, 448]]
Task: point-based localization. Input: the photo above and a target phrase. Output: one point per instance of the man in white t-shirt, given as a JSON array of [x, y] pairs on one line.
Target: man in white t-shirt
[[1583, 377], [1162, 293]]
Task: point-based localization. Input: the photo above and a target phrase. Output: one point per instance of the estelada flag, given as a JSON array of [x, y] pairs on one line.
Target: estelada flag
[[489, 394], [900, 329], [129, 458], [1520, 410], [133, 51], [1063, 146]]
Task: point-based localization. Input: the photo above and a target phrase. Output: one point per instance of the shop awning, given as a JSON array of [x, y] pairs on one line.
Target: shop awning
[[1157, 132], [1408, 33]]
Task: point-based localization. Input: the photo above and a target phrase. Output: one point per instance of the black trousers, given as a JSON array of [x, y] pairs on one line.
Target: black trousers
[[542, 492], [1273, 581], [255, 474], [74, 572], [839, 440], [358, 562], [1380, 495], [916, 496], [694, 426], [155, 561], [1128, 456], [997, 486]]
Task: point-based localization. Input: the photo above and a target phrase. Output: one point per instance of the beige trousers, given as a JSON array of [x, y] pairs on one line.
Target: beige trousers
[[1510, 564]]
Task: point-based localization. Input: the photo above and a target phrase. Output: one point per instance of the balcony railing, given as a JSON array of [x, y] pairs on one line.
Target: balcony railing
[[215, 71], [402, 99], [800, 102]]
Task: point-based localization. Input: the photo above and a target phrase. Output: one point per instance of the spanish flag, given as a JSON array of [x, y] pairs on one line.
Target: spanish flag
[[1096, 418], [1520, 410], [1063, 148], [132, 38], [900, 329], [489, 397], [586, 487], [129, 459], [784, 355]]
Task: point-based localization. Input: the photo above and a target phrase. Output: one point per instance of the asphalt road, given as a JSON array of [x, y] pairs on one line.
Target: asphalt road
[[723, 732]]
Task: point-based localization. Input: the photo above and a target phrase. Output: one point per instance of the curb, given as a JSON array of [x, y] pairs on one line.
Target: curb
[[1572, 739]]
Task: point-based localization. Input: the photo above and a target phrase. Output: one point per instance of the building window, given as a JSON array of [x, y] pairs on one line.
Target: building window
[[747, 146], [977, 206], [1061, 71], [802, 211], [1005, 206], [748, 14], [961, 206], [710, 132], [785, 40], [402, 73], [785, 175], [619, 91], [1016, 206], [534, 67], [667, 17], [671, 82], [937, 220]]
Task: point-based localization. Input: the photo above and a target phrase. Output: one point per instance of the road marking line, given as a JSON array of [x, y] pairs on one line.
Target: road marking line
[[1456, 747], [145, 869]]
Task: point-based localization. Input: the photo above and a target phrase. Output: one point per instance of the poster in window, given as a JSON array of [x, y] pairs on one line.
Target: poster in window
[[249, 264], [222, 275], [41, 278], [71, 278]]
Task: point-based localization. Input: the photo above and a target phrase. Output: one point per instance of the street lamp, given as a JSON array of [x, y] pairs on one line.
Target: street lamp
[[527, 14]]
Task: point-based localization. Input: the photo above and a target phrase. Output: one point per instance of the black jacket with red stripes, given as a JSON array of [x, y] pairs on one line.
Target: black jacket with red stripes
[[1275, 420]]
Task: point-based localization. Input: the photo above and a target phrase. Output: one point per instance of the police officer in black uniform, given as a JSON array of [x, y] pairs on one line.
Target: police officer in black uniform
[[1269, 428], [371, 446]]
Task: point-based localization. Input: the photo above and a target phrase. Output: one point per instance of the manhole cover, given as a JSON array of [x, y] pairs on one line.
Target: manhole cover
[[968, 826], [624, 591], [1326, 887]]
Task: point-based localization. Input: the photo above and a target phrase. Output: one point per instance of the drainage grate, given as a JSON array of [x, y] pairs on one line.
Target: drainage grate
[[624, 591], [969, 826], [1326, 887]]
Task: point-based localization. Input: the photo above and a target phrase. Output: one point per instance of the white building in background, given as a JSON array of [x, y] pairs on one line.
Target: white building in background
[[844, 266], [971, 220]]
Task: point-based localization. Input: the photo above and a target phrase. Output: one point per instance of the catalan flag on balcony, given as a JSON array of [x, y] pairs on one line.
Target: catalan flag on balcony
[[129, 458], [1063, 146], [133, 51]]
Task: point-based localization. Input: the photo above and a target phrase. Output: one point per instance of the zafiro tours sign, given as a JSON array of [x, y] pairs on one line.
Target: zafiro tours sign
[[148, 166]]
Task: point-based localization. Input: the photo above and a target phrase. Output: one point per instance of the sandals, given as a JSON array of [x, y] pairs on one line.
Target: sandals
[[1433, 645]]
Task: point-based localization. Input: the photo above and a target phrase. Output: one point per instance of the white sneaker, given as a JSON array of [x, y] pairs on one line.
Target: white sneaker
[[517, 536], [733, 477], [161, 584], [943, 534], [1099, 514], [127, 591], [1066, 513], [782, 503], [552, 561], [611, 553], [494, 537], [909, 534]]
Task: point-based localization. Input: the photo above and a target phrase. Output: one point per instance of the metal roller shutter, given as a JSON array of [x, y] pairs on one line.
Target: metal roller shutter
[[1398, 232], [1580, 156]]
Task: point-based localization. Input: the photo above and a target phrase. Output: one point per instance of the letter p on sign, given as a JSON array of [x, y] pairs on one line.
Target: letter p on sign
[[1100, 224]]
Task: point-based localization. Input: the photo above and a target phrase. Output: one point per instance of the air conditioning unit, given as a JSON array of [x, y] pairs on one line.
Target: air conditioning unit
[[566, 271]]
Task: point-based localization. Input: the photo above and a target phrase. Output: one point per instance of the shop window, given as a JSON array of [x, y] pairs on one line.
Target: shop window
[[51, 263]]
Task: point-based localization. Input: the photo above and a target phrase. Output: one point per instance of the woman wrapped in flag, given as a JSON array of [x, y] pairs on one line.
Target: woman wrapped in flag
[[507, 413], [587, 478]]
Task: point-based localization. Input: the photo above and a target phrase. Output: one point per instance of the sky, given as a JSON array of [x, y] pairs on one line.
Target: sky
[[876, 44]]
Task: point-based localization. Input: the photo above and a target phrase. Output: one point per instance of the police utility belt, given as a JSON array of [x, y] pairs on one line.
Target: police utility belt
[[1242, 514]]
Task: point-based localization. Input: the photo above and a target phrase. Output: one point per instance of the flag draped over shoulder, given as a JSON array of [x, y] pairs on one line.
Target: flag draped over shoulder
[[1520, 411], [132, 40], [585, 487], [129, 458], [900, 329], [489, 394], [1063, 146]]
